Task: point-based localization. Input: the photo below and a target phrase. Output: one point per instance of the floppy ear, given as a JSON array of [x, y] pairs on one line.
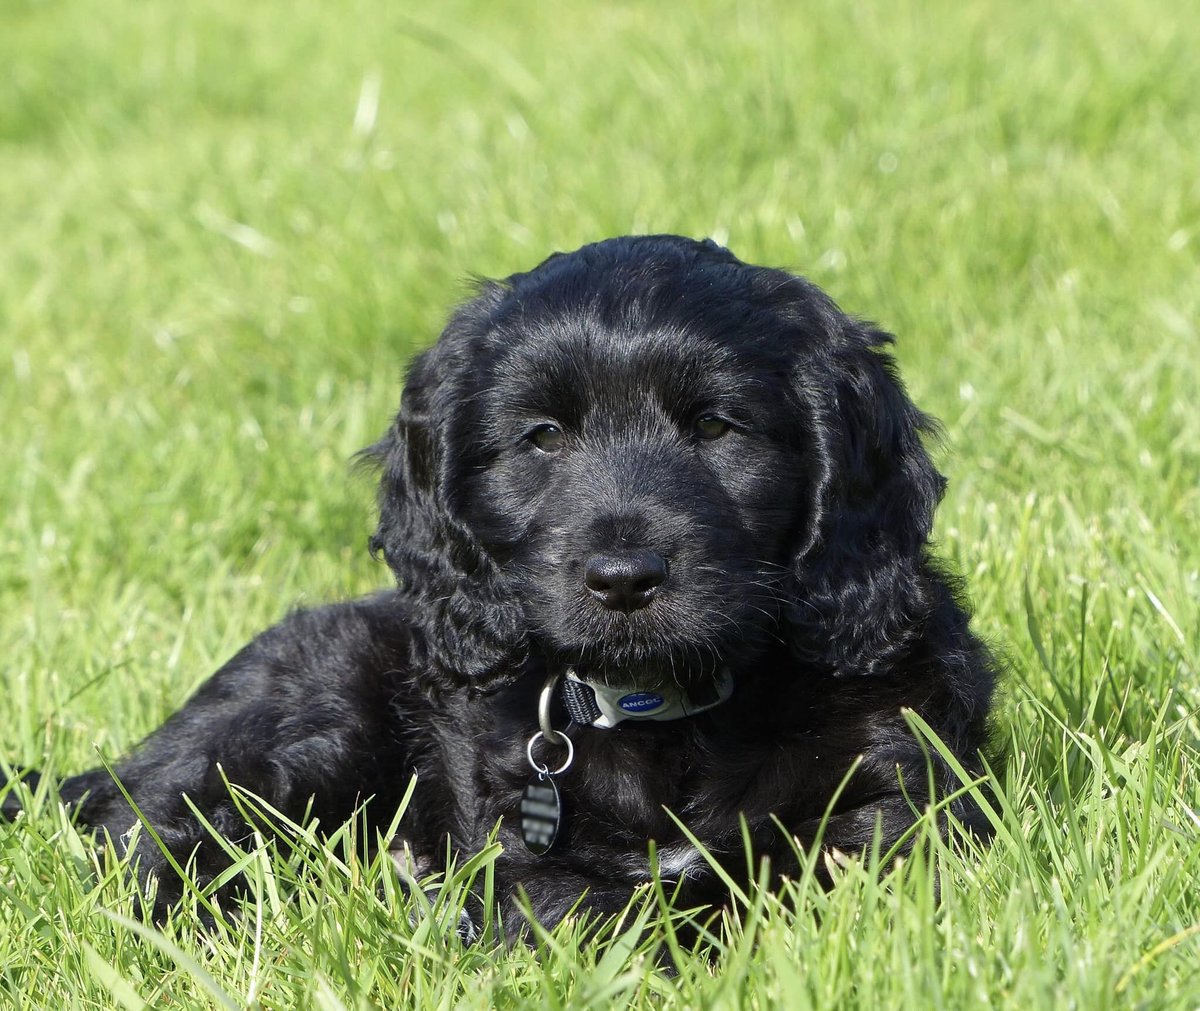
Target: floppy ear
[[863, 583], [468, 629]]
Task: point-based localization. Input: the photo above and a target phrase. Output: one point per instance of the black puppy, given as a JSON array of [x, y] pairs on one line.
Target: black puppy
[[659, 524]]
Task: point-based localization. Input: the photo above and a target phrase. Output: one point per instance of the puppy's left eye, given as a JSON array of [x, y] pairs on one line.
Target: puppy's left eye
[[710, 426], [547, 438]]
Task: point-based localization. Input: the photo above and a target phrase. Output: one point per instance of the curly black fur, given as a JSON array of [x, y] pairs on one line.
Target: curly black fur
[[796, 539]]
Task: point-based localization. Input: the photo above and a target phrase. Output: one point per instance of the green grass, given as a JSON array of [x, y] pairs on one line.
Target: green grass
[[225, 228]]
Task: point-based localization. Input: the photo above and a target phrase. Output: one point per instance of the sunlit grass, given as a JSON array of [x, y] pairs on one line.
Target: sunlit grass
[[226, 227]]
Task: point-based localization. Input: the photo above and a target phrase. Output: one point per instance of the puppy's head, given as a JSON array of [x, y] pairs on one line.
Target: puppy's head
[[652, 462]]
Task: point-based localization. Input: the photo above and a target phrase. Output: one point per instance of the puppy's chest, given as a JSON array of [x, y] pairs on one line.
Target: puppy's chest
[[628, 787]]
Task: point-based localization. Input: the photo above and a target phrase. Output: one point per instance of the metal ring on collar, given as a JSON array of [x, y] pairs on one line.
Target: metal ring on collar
[[545, 769], [544, 700]]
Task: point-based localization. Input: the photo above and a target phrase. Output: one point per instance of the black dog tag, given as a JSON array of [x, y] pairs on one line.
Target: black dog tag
[[541, 814]]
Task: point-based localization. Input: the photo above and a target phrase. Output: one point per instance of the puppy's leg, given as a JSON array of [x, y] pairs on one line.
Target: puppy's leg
[[10, 806], [850, 833], [304, 717], [553, 894]]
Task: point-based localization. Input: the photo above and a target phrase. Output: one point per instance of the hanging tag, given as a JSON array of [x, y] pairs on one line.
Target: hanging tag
[[541, 814]]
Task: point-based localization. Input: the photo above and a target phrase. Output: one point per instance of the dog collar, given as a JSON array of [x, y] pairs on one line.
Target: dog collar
[[599, 705]]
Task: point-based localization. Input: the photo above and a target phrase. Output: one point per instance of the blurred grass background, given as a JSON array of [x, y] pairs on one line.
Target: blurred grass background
[[225, 227]]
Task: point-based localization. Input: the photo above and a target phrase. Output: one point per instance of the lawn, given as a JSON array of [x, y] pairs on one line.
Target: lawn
[[227, 226]]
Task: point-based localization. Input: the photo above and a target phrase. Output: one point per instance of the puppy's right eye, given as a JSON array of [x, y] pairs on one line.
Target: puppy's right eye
[[547, 438], [710, 426]]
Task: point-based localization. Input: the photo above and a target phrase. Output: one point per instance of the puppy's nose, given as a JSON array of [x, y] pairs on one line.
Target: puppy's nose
[[626, 580]]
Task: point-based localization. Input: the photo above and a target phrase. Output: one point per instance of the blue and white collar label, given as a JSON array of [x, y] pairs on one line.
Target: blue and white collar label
[[605, 706]]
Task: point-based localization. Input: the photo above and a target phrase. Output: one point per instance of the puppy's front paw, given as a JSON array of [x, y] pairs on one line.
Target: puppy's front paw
[[410, 867]]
